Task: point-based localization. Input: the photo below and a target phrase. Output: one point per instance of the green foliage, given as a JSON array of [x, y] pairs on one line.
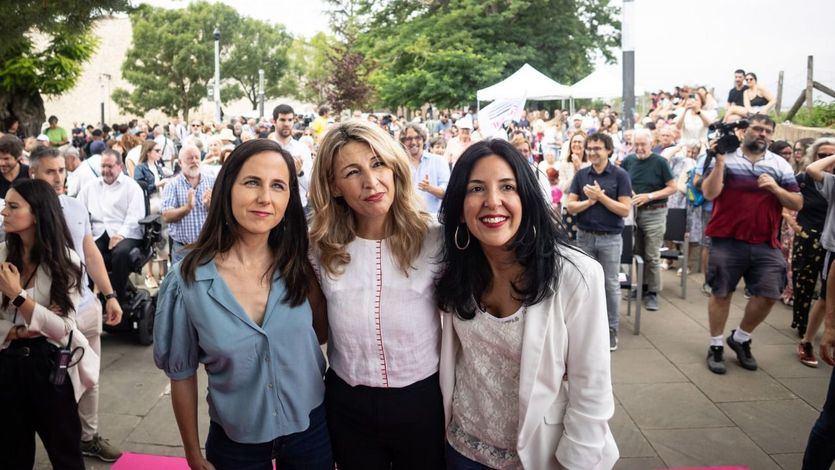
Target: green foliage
[[308, 68], [443, 51], [171, 60], [821, 115], [254, 45], [53, 63]]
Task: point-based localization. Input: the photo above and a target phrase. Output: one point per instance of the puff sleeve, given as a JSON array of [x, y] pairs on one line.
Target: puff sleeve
[[175, 338]]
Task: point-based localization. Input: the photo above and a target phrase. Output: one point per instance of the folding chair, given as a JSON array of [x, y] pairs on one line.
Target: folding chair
[[677, 233], [637, 262]]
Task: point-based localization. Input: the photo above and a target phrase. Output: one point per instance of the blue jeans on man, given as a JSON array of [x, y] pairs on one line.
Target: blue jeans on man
[[606, 248]]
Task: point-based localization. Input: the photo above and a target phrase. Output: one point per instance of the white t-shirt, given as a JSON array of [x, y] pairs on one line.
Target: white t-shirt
[[78, 222], [384, 327], [300, 151]]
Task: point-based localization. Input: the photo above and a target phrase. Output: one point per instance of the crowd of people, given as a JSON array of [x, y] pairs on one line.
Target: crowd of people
[[447, 272]]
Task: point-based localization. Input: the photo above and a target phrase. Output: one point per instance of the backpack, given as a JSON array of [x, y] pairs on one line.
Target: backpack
[[694, 194]]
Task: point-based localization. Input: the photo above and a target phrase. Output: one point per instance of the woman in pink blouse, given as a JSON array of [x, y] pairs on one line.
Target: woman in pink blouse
[[373, 249]]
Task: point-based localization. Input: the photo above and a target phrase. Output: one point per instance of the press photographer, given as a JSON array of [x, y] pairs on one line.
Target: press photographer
[[749, 187]]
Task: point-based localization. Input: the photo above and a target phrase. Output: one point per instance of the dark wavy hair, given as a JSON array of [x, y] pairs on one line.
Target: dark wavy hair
[[52, 240], [466, 274], [288, 240]]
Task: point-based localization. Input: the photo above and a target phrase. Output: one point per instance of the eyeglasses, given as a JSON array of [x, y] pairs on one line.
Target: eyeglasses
[[824, 155]]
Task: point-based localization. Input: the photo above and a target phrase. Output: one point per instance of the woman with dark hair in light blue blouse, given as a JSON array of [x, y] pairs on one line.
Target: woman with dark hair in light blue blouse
[[244, 302]]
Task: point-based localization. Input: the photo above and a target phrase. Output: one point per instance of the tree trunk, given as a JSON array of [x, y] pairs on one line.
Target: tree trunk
[[27, 107]]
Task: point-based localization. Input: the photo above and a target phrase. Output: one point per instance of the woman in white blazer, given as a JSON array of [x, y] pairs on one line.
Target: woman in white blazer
[[524, 371], [40, 282]]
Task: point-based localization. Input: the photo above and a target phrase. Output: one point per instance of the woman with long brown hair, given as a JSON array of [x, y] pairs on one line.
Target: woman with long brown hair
[[245, 303], [40, 282]]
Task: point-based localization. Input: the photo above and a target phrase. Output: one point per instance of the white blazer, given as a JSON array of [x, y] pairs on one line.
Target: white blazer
[[565, 386], [54, 327]]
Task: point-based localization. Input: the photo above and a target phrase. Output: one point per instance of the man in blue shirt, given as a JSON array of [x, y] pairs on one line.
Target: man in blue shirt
[[430, 173], [185, 202], [601, 196]]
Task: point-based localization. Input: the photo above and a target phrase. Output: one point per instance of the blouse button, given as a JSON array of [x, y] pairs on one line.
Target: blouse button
[[269, 385]]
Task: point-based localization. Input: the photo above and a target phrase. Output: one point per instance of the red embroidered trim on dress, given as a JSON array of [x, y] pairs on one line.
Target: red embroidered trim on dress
[[378, 291]]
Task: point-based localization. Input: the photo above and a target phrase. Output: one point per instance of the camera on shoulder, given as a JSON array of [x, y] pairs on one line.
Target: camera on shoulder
[[724, 135]]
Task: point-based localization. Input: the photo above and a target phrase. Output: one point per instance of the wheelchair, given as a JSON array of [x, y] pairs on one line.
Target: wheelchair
[[139, 306]]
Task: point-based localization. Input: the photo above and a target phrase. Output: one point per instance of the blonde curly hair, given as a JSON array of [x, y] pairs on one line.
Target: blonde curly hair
[[334, 226]]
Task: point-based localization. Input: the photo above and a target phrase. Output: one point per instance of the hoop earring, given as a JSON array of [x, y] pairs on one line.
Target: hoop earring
[[457, 245]]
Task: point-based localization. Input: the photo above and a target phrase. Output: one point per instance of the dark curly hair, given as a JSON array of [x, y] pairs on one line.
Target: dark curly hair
[[466, 274]]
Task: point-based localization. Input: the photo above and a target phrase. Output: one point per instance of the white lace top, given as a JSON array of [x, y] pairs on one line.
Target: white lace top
[[485, 402]]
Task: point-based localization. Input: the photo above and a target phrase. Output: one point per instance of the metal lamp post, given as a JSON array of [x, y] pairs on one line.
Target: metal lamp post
[[260, 93], [216, 35]]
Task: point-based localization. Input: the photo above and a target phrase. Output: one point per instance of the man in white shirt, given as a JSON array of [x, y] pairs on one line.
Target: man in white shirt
[[168, 151], [79, 173], [116, 204], [47, 164], [283, 116]]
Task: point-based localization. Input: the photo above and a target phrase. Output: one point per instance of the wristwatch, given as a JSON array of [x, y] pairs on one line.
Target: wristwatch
[[21, 297], [111, 295]]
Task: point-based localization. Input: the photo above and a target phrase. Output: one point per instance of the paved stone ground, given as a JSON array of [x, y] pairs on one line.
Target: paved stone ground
[[670, 412]]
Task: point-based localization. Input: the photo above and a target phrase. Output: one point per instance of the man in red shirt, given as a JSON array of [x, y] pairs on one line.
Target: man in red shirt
[[749, 189]]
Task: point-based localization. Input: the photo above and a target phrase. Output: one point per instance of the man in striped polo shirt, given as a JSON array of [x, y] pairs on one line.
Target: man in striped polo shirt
[[749, 189]]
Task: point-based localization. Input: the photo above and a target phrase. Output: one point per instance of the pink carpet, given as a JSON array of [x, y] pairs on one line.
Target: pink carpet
[[129, 461]]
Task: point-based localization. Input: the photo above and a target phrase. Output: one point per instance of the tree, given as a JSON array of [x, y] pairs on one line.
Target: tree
[[42, 51], [257, 45], [443, 51], [347, 85], [171, 60], [309, 68]]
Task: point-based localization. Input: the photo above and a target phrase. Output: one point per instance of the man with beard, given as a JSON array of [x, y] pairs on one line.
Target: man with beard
[[185, 202], [283, 118], [749, 189], [430, 173], [116, 204], [11, 169]]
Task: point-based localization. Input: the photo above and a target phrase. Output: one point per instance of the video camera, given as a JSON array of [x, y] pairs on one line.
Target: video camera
[[727, 140], [725, 137]]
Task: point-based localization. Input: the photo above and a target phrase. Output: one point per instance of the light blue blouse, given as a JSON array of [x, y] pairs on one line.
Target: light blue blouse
[[263, 380]]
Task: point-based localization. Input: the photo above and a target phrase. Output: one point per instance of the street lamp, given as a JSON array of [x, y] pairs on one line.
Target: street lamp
[[216, 35], [260, 93]]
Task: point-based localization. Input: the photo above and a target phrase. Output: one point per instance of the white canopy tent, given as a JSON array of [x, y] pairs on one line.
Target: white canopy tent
[[527, 83], [605, 82]]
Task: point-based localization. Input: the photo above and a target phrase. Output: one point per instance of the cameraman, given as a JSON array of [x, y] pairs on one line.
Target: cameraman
[[749, 188]]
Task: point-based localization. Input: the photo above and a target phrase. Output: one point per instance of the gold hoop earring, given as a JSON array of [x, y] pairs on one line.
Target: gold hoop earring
[[457, 245]]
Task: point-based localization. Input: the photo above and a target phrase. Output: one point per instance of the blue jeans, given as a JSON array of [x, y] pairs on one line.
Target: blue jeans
[[606, 249], [306, 450], [820, 451], [456, 461]]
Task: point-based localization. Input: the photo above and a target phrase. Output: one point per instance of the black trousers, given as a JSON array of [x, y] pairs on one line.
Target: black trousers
[[117, 261], [32, 404], [386, 428]]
